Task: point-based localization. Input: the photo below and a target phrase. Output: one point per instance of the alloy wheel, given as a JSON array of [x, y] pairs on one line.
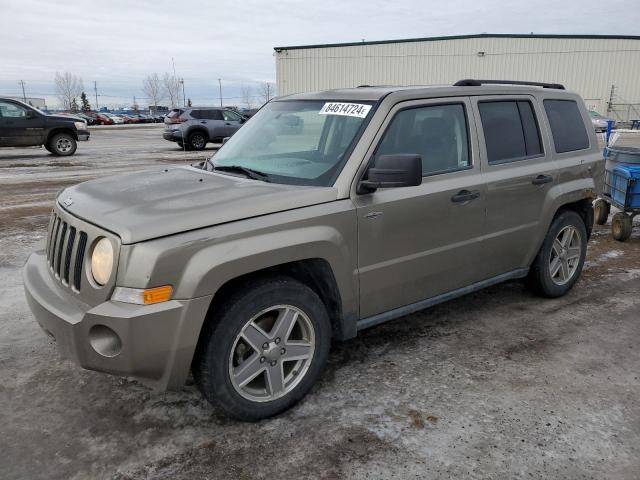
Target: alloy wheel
[[272, 353], [63, 145], [565, 255]]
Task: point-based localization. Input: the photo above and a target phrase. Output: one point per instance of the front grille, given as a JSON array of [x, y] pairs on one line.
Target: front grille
[[66, 247]]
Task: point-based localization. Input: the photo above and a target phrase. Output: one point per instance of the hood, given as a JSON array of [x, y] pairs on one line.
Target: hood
[[154, 203], [63, 117]]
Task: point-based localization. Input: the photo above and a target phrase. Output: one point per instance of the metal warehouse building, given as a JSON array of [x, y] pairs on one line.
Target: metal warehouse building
[[603, 69]]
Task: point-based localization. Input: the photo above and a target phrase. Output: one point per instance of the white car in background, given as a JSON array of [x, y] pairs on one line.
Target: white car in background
[[599, 122], [117, 119]]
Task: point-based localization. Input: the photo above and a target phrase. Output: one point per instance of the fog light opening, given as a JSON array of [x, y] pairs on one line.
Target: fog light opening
[[105, 341]]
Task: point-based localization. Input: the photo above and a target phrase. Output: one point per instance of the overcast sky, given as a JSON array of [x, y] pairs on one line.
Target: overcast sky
[[118, 42]]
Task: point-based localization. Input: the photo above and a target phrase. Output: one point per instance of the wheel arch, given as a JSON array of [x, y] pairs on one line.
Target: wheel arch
[[57, 130], [194, 129]]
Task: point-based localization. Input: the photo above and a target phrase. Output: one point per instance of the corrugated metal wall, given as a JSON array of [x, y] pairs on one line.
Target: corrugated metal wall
[[586, 65]]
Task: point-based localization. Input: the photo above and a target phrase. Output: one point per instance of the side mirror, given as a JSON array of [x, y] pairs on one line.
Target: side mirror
[[392, 171], [30, 114]]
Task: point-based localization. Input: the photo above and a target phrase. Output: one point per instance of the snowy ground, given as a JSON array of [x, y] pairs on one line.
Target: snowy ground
[[498, 384]]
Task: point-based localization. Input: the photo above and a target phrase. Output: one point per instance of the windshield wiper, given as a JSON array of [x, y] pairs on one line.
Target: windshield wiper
[[248, 172]]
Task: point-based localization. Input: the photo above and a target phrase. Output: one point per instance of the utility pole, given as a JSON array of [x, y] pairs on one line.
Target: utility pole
[[611, 99], [24, 97], [95, 89], [184, 98], [220, 87]]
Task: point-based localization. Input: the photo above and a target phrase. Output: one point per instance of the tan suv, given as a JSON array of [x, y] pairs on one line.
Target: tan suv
[[326, 214]]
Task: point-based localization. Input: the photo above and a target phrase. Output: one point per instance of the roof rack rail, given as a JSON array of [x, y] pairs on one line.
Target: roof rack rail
[[469, 82]]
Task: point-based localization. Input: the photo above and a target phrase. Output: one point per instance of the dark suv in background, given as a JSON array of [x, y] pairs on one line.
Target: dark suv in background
[[22, 125], [194, 127]]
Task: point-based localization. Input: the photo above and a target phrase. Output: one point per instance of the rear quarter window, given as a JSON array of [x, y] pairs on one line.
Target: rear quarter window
[[567, 127]]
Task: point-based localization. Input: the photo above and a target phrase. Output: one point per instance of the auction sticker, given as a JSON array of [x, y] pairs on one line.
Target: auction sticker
[[346, 109]]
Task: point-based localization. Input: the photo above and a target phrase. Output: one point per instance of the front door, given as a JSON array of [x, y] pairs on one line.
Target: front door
[[19, 125], [232, 122], [418, 242]]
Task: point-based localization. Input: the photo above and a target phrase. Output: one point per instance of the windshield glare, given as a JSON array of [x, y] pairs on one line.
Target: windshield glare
[[297, 141]]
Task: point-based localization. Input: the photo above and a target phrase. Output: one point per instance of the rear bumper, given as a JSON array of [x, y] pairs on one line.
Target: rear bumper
[[151, 343], [172, 135]]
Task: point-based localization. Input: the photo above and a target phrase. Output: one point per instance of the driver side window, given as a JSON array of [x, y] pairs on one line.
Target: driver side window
[[230, 116], [11, 110], [438, 133]]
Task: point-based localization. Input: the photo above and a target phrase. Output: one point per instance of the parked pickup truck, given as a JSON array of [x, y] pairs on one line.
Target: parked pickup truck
[[326, 214], [22, 125]]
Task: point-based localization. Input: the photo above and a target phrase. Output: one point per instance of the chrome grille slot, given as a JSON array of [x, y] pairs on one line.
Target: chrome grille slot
[[67, 258], [54, 240], [77, 272], [61, 245]]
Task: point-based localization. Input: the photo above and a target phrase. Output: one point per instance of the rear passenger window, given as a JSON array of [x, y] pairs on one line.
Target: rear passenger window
[[567, 126], [212, 114], [510, 130], [438, 133]]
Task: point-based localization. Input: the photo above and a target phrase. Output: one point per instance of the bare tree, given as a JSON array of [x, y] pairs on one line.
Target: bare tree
[[152, 88], [246, 94], [172, 89], [266, 91], [68, 88]]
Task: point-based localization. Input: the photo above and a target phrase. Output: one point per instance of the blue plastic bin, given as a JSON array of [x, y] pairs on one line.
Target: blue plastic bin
[[625, 185]]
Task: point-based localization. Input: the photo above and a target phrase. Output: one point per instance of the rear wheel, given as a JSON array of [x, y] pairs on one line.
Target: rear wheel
[[559, 262], [62, 144], [621, 226], [264, 350], [601, 210], [197, 140]]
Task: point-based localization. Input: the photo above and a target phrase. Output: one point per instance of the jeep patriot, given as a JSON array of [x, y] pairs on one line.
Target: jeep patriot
[[326, 214]]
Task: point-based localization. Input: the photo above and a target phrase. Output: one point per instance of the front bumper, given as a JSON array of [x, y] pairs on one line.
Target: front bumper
[[157, 342], [83, 135]]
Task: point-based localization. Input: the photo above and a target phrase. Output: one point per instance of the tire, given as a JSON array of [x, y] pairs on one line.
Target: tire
[[62, 145], [621, 226], [222, 348], [601, 210], [557, 266], [197, 140]]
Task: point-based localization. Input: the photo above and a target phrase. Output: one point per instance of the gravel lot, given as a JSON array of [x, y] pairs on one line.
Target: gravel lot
[[498, 384]]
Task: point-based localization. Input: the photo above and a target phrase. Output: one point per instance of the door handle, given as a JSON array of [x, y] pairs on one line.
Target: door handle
[[203, 122], [465, 196], [227, 123], [542, 179]]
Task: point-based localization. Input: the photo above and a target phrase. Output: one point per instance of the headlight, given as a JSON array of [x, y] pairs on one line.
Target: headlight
[[80, 125], [102, 261]]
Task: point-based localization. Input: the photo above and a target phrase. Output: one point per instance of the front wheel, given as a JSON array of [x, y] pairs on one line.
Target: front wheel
[[264, 350], [62, 145], [559, 262]]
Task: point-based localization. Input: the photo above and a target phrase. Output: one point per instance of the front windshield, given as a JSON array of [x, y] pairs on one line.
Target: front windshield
[[302, 142]]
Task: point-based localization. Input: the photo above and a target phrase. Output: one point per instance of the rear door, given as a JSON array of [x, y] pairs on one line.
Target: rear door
[[418, 242], [212, 119], [519, 173]]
